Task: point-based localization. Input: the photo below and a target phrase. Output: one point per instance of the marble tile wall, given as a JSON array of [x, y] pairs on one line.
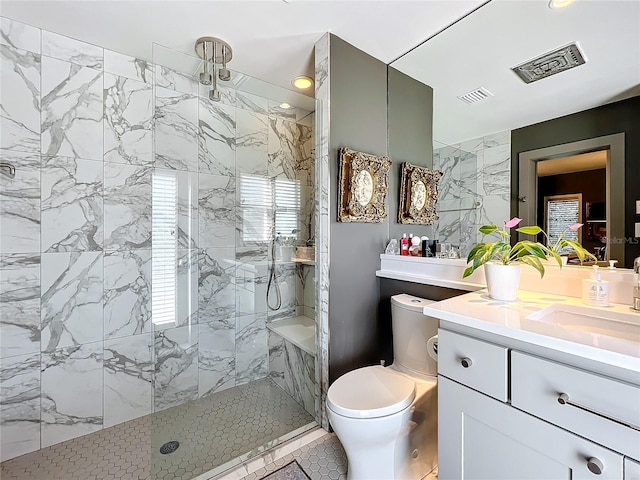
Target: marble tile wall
[[475, 187], [132, 275]]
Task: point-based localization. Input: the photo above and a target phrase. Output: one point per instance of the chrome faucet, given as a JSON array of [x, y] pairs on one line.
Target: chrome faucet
[[636, 287]]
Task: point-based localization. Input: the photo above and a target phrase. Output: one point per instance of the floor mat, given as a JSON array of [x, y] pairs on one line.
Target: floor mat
[[291, 471]]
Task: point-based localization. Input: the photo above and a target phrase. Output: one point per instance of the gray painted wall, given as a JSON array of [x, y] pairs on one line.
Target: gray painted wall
[[358, 96], [359, 336], [410, 139]]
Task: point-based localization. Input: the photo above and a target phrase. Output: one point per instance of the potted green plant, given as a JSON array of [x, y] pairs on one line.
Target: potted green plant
[[502, 260]]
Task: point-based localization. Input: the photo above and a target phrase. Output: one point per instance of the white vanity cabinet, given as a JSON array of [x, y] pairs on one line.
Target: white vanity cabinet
[[528, 433]]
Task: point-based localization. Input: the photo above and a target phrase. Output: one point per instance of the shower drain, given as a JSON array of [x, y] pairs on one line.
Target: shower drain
[[169, 447]]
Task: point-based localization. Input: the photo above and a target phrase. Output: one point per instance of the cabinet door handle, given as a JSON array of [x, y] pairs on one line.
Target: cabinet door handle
[[466, 362], [595, 466], [563, 399]]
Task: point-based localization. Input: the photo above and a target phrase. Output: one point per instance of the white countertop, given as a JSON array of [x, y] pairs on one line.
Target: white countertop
[[510, 319]]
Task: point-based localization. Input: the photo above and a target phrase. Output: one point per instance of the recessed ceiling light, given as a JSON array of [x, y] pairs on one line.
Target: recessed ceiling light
[[302, 82], [559, 3], [285, 105]]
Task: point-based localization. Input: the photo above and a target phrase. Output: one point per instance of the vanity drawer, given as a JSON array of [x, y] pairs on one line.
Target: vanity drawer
[[599, 408], [474, 363]]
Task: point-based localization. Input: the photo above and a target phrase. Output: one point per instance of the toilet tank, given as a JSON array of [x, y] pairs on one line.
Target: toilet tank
[[411, 332]]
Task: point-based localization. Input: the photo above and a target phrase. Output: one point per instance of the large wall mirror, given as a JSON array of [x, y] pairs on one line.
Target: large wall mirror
[[486, 112]]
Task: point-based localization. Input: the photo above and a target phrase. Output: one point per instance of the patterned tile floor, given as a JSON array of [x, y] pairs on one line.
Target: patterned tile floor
[[322, 459], [211, 431]]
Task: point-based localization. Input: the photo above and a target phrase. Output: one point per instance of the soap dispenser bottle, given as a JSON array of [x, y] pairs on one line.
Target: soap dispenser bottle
[[595, 291]]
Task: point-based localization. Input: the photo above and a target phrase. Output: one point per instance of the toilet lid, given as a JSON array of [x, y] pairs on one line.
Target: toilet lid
[[370, 392]]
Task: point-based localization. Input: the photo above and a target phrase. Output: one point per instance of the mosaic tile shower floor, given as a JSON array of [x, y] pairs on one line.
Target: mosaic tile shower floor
[[212, 431]]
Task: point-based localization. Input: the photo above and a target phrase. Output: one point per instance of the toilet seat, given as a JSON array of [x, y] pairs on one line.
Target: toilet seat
[[370, 392]]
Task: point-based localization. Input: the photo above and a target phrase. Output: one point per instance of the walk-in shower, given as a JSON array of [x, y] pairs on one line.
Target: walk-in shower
[[135, 258]]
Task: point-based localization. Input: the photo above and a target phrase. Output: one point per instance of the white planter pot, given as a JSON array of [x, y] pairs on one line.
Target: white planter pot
[[502, 281]]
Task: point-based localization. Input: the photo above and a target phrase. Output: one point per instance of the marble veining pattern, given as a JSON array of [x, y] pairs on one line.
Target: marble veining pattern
[[252, 137], [127, 207], [216, 213], [20, 35], [71, 50], [65, 372], [176, 126], [19, 99], [128, 375], [71, 116], [217, 357], [169, 79], [127, 66], [217, 138], [322, 182], [19, 304], [72, 204], [128, 136], [217, 285], [72, 293], [252, 352], [252, 276], [176, 366], [475, 188], [127, 293], [20, 204], [19, 405]]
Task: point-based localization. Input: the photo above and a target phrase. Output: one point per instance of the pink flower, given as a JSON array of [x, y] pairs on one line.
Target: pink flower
[[576, 226], [513, 222]]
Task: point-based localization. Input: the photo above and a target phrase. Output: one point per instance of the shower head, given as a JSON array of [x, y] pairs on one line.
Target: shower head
[[215, 54]]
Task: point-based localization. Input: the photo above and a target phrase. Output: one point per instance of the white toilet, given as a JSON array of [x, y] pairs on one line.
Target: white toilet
[[386, 418]]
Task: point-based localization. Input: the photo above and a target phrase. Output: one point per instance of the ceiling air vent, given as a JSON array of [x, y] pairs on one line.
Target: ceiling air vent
[[475, 95], [550, 63]]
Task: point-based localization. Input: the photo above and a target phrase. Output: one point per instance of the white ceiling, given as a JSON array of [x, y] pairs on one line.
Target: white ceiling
[[572, 164], [480, 50], [271, 39]]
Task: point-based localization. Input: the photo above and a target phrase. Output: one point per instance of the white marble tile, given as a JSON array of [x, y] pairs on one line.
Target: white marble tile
[[127, 207], [495, 210], [276, 358], [19, 304], [176, 130], [252, 136], [217, 284], [216, 212], [71, 116], [309, 286], [175, 200], [71, 50], [176, 366], [252, 355], [128, 136], [495, 139], [497, 171], [253, 225], [65, 373], [72, 295], [217, 364], [252, 276], [284, 148], [469, 175], [286, 280], [275, 110], [20, 98], [128, 372], [19, 405], [20, 204], [72, 204], [127, 293], [299, 376], [252, 103], [217, 138], [126, 66], [19, 35], [170, 79]]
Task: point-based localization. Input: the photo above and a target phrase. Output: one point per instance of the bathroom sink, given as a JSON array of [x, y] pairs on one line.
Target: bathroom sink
[[598, 322]]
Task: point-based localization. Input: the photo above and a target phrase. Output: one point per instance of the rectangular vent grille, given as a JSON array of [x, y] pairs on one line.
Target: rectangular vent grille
[[550, 63], [475, 95]]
